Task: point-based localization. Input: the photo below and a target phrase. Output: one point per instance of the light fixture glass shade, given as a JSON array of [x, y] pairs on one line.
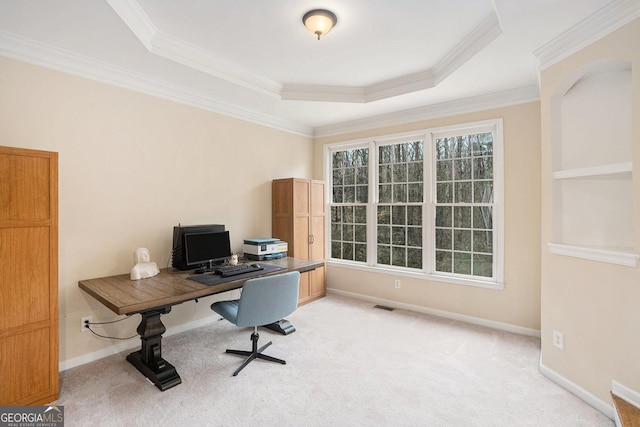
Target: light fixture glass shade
[[319, 21]]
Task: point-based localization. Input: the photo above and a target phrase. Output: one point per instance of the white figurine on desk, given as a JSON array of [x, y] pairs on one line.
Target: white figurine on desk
[[143, 268], [233, 260]]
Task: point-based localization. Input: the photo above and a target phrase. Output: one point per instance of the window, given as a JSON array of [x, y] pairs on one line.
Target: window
[[400, 200], [350, 194], [464, 204], [424, 204]]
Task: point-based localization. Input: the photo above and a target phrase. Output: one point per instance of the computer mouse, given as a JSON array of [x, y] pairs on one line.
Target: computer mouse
[[255, 265]]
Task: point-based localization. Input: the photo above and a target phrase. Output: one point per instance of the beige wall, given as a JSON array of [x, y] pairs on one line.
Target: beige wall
[[131, 167], [596, 305], [519, 303]]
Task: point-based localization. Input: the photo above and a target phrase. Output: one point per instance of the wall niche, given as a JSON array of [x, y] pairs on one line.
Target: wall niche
[[592, 164]]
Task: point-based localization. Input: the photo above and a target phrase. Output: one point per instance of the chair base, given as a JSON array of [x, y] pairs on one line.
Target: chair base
[[255, 353]]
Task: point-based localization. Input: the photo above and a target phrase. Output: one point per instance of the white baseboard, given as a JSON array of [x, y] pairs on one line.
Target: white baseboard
[[134, 343], [625, 393], [441, 313], [576, 390], [96, 355]]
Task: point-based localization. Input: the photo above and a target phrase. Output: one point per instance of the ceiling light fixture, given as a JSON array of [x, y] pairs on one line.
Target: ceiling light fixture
[[319, 21]]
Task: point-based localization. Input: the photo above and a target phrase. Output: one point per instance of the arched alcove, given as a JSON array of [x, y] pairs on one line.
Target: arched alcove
[[592, 164]]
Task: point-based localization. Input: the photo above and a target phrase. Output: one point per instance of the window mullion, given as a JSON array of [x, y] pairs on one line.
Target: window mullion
[[372, 206], [428, 214]]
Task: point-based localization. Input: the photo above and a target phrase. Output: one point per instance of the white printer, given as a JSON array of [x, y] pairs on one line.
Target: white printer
[[264, 248]]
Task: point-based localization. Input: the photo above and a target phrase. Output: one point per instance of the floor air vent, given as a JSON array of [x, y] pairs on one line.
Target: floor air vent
[[384, 307]]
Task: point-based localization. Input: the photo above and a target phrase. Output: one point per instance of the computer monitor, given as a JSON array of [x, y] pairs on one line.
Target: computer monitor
[[206, 249], [178, 258]]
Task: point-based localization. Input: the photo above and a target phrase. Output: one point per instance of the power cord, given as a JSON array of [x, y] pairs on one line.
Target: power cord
[[88, 325]]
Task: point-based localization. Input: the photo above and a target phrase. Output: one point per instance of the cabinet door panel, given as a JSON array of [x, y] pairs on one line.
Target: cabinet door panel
[[317, 282], [316, 251], [283, 229], [282, 197], [317, 198], [304, 287], [24, 193], [301, 197], [24, 276], [301, 237], [24, 367]]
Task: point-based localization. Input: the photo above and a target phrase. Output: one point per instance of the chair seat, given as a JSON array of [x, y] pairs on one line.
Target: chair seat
[[227, 309]]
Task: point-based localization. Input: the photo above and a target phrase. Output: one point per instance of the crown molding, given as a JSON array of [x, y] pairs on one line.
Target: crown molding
[[479, 38], [360, 95], [400, 86], [192, 56], [606, 20], [134, 17], [22, 49], [478, 103], [302, 92], [36, 53], [488, 30], [200, 59]]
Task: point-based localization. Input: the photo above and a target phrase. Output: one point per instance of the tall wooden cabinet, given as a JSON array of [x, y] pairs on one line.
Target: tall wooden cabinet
[[298, 218], [28, 277]]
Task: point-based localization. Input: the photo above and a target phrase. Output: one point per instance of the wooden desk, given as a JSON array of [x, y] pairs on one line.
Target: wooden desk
[[155, 296]]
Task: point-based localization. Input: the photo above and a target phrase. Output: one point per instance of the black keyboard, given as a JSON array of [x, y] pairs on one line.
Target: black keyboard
[[233, 270]]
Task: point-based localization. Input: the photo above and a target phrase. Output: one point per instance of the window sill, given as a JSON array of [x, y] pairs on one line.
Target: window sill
[[620, 256], [418, 275]]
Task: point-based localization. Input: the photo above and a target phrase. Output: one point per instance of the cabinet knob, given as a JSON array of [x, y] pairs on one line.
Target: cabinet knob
[[311, 239]]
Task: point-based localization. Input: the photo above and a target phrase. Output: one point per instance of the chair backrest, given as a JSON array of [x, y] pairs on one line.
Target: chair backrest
[[265, 300]]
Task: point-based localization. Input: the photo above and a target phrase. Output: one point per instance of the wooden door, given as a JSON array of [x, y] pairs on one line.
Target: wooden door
[[28, 277]]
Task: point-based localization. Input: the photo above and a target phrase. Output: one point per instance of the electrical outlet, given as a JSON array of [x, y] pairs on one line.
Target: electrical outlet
[[558, 340], [84, 323], [397, 284]]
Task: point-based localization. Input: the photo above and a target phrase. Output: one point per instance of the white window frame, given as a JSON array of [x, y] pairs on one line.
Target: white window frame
[[428, 228], [375, 201], [328, 175]]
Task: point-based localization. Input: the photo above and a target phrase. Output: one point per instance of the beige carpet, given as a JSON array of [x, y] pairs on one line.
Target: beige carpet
[[348, 364]]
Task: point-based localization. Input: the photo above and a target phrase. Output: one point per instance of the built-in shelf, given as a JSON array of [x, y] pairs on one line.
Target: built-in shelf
[[595, 171], [592, 178], [620, 256]]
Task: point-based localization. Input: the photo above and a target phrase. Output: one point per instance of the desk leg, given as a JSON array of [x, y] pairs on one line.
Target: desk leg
[[149, 359], [283, 326]]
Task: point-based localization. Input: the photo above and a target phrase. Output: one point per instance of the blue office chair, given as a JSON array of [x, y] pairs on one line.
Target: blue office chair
[[264, 300]]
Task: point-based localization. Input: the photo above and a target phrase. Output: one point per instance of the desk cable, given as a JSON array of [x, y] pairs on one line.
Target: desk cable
[[88, 325]]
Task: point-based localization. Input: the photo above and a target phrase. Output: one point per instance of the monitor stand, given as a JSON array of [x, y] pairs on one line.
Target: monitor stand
[[282, 326], [207, 269]]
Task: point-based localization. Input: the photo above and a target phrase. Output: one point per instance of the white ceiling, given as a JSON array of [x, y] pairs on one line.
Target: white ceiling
[[384, 62]]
